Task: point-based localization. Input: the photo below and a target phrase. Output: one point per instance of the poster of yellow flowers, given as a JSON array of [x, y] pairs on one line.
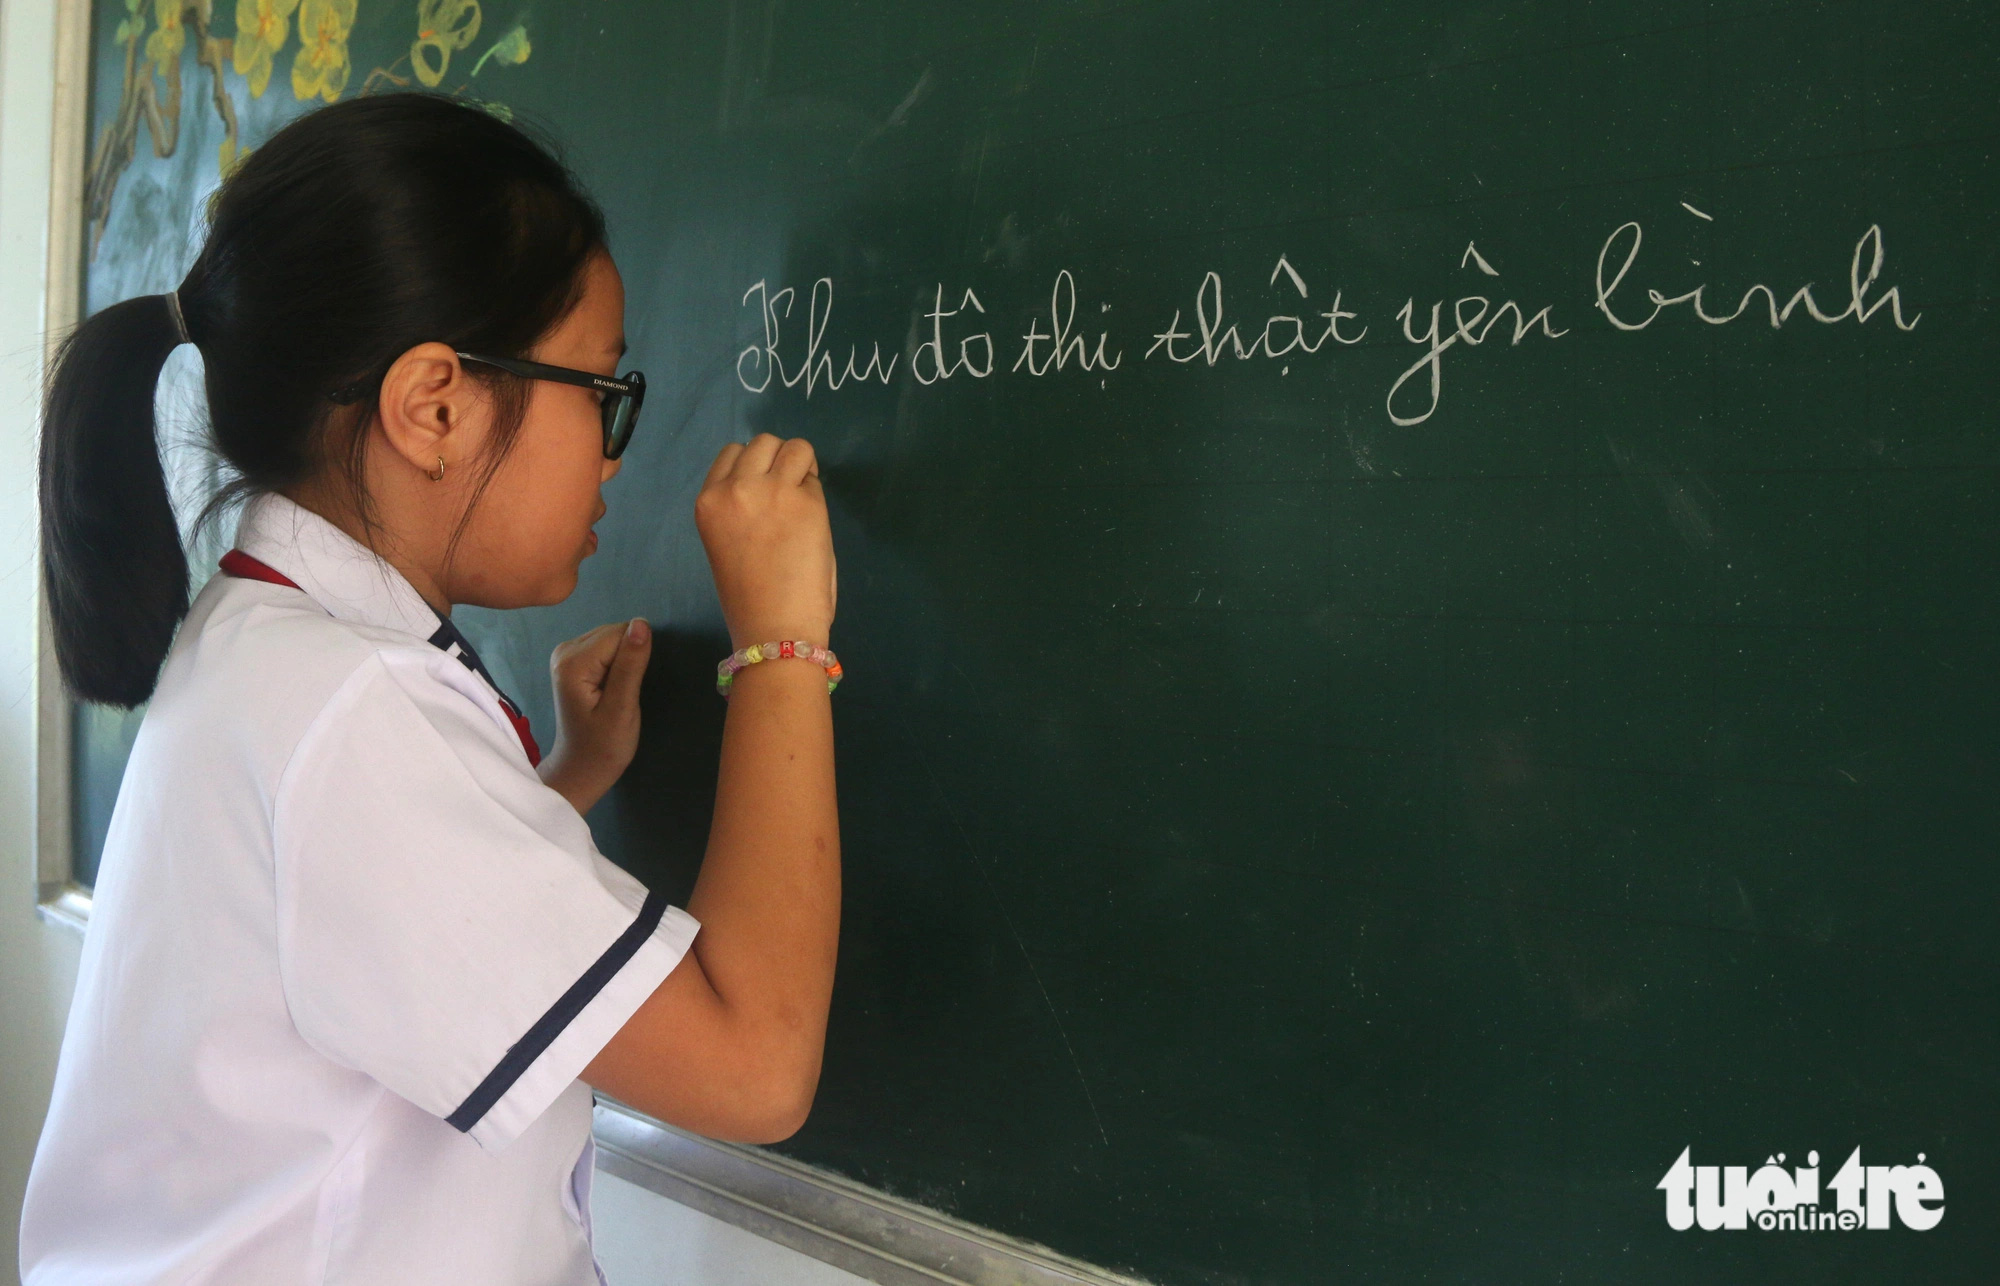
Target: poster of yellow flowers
[[226, 57]]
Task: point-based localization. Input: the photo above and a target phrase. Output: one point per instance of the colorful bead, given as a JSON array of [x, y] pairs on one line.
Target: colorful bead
[[727, 668]]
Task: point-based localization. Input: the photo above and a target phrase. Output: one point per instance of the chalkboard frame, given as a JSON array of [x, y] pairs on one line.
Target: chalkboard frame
[[59, 897], [1547, 957], [837, 1221]]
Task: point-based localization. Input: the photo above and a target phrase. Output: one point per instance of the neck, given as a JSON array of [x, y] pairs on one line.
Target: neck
[[345, 517]]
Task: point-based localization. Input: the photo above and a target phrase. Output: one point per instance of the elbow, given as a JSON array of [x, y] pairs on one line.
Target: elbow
[[776, 1067], [777, 1130], [784, 1108]]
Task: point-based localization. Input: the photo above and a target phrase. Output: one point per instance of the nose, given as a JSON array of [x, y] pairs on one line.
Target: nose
[[611, 468]]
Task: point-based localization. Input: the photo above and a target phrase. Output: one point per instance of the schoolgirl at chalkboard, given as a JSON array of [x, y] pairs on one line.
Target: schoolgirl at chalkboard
[[354, 963]]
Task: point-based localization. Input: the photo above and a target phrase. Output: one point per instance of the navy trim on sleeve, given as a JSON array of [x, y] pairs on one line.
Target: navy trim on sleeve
[[550, 1025]]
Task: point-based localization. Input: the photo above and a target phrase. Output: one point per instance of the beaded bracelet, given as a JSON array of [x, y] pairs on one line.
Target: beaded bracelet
[[725, 673]]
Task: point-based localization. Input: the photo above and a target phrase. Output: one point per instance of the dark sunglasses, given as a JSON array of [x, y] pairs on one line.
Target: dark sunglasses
[[622, 397]]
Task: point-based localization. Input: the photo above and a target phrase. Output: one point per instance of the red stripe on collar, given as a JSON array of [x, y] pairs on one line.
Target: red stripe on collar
[[521, 730], [238, 563]]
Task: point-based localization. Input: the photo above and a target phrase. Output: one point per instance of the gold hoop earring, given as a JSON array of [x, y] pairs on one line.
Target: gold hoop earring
[[439, 475]]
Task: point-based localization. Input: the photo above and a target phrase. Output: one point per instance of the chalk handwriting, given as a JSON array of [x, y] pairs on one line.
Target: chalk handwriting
[[1462, 329], [940, 369], [1858, 285], [944, 343], [817, 368], [1284, 265], [1062, 345], [1208, 317]]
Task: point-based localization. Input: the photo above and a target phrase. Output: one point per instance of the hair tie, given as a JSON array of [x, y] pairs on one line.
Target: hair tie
[[173, 298]]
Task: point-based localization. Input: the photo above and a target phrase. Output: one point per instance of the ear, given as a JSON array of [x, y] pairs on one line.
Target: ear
[[430, 407]]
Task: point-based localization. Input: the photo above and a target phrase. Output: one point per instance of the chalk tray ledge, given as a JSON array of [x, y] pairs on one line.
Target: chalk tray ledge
[[835, 1220]]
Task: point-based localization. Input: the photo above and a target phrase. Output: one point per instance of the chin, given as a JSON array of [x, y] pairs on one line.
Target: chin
[[550, 590], [560, 588], [557, 580]]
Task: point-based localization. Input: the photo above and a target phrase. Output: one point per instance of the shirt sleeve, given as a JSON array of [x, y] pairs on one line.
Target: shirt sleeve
[[445, 922]]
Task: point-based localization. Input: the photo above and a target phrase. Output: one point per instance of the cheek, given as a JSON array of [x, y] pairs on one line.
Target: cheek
[[556, 510], [541, 503]]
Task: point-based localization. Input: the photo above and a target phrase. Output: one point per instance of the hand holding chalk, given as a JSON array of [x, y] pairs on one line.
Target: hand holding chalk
[[762, 517]]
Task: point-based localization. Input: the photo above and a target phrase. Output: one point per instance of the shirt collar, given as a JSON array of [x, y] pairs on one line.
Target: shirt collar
[[355, 584], [341, 574]]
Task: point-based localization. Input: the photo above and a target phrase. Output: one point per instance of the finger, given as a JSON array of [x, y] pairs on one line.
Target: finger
[[562, 656], [586, 658], [725, 459], [757, 455], [795, 461], [628, 664]]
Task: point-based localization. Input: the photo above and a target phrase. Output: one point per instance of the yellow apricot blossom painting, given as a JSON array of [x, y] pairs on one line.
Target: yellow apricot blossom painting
[[155, 37], [228, 156], [321, 67], [164, 46], [442, 27], [512, 48], [261, 28]]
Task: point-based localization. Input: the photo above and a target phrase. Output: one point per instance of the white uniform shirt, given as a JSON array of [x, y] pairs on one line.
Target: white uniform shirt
[[346, 958]]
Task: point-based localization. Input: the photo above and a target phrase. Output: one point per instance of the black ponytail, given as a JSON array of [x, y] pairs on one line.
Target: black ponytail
[[355, 233], [108, 531]]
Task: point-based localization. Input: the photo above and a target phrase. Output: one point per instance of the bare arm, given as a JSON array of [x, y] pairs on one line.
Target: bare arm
[[729, 1045]]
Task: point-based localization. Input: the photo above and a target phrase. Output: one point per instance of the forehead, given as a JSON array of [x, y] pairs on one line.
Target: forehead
[[603, 298], [598, 320]]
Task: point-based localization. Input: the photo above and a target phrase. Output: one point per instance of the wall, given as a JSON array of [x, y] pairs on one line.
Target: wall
[[37, 960]]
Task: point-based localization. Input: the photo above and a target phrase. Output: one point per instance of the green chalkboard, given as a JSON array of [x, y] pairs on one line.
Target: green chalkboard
[[1341, 780]]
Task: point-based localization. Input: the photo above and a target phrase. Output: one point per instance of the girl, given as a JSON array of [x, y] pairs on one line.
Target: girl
[[354, 963]]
